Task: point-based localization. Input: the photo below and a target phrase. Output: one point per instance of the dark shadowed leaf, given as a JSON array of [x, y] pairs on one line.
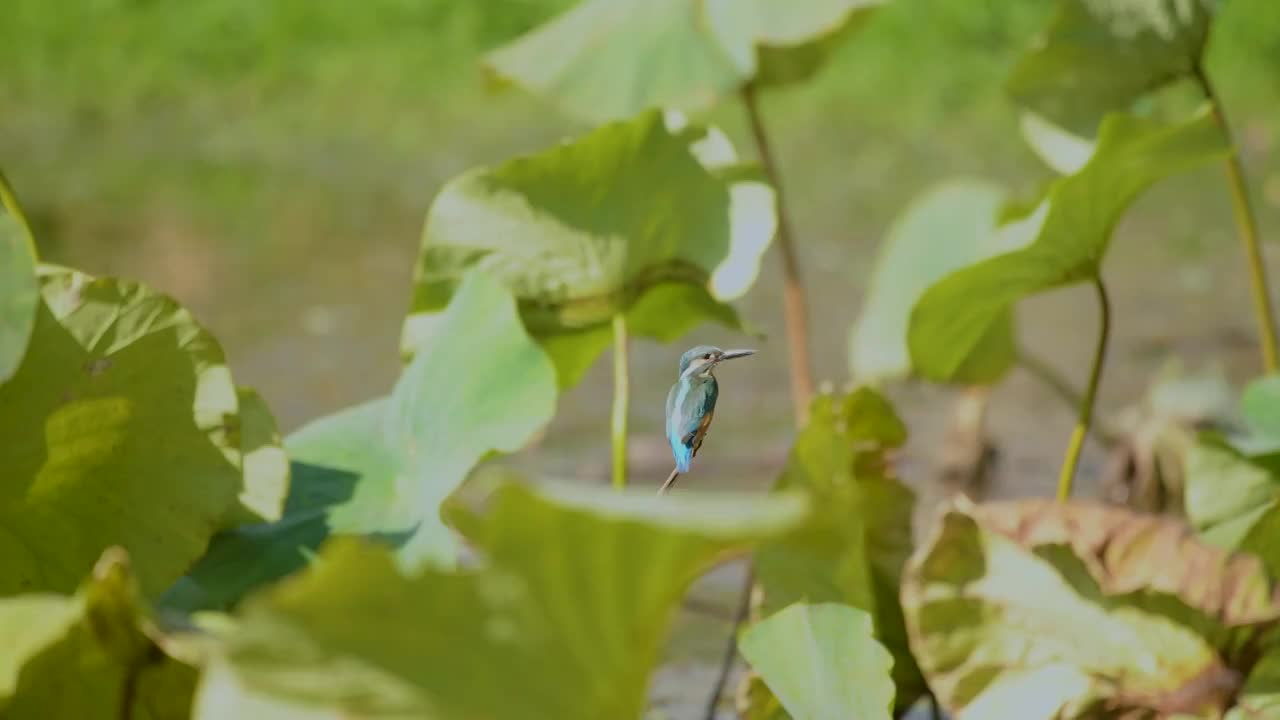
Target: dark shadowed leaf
[[945, 229], [74, 656], [853, 548], [18, 291], [822, 661], [1100, 55], [957, 315], [1260, 695], [1061, 609], [563, 619], [383, 468], [608, 59], [120, 427], [646, 217]]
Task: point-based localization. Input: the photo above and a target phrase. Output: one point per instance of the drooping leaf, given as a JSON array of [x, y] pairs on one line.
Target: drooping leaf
[[19, 293], [609, 59], [1233, 499], [563, 619], [853, 548], [956, 316], [1100, 55], [1062, 609], [822, 661], [77, 656], [383, 468], [119, 428], [945, 229], [642, 217]]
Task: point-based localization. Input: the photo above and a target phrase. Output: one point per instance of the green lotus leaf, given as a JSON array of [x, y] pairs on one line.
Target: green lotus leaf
[[19, 293], [822, 661], [120, 427], [609, 59], [93, 654], [1096, 56], [263, 460], [1261, 407], [947, 228], [1233, 498], [1060, 610], [384, 468], [853, 548], [563, 618], [957, 315], [647, 217]]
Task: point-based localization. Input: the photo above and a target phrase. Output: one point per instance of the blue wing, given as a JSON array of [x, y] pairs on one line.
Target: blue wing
[[690, 407]]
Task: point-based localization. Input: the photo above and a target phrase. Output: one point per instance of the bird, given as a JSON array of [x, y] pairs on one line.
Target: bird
[[691, 403]]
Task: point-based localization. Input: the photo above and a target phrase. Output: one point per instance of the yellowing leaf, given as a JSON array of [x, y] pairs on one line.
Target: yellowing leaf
[[1080, 606]]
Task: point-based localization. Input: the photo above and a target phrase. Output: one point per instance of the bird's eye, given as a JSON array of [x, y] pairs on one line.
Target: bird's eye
[[706, 356]]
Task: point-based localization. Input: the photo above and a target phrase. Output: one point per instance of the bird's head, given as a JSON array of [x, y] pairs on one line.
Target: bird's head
[[703, 358]]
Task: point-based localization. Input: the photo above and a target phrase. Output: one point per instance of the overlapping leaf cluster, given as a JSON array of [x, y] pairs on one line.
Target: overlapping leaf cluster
[[1053, 610], [139, 476], [853, 550]]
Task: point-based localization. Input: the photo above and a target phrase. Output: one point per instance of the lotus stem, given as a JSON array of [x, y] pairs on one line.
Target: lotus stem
[[795, 307], [1247, 229], [621, 401], [1072, 459]]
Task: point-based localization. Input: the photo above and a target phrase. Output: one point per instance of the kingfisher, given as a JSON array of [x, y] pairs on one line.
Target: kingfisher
[[691, 403]]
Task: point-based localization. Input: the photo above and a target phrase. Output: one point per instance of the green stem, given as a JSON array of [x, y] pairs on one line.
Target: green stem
[[731, 649], [621, 401], [1247, 229], [794, 305], [1085, 418]]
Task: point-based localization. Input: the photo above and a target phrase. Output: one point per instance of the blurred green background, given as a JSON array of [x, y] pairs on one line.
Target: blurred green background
[[269, 163]]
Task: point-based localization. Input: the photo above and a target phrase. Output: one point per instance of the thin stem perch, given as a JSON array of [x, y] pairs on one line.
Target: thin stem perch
[[621, 400], [1072, 459]]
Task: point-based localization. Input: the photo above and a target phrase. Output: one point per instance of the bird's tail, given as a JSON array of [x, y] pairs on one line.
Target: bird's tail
[[671, 480]]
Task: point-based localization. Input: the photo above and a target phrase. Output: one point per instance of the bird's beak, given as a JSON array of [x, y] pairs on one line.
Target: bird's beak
[[731, 354]]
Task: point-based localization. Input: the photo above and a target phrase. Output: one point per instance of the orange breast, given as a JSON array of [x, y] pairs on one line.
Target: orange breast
[[703, 424]]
